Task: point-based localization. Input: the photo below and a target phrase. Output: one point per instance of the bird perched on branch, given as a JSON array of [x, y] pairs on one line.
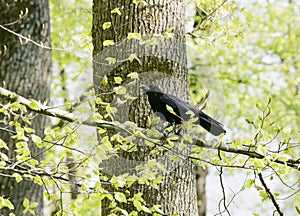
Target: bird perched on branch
[[175, 110]]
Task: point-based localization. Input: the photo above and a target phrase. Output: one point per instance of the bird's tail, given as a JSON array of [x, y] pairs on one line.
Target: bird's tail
[[210, 124]]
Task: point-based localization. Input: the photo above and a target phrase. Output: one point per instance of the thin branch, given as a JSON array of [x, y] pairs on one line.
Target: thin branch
[[295, 164], [27, 39], [22, 170], [208, 17], [223, 192], [271, 196], [46, 110]]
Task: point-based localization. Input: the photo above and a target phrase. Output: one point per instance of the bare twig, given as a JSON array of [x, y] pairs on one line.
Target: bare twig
[[27, 39], [223, 192], [271, 196]]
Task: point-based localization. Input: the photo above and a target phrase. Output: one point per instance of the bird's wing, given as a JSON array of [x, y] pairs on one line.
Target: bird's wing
[[179, 107], [210, 124]]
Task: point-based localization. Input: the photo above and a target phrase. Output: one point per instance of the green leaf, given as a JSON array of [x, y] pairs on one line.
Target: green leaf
[[21, 144], [3, 144], [117, 11], [264, 195], [259, 106], [33, 205], [5, 203], [29, 207], [37, 180], [152, 41], [168, 35], [26, 203], [120, 197], [133, 57], [146, 209], [120, 90], [170, 109], [240, 160], [124, 212], [31, 211], [118, 181], [33, 162], [171, 29], [236, 144], [133, 75], [258, 163], [108, 43], [34, 105], [283, 158], [156, 208], [102, 130], [118, 80], [28, 176], [63, 169], [36, 139], [111, 60], [249, 183], [104, 81], [29, 130], [106, 25], [137, 204], [53, 197], [105, 140], [261, 149], [108, 196], [134, 35], [17, 176], [4, 111], [2, 163], [49, 131], [140, 1]]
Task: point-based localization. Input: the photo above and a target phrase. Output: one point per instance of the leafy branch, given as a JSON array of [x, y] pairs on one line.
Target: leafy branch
[[271, 196], [131, 129]]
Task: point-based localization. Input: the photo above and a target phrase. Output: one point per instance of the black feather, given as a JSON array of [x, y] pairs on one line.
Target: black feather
[[159, 101]]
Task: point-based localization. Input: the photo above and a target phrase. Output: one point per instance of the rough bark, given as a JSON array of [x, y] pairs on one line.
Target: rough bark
[[200, 184], [24, 69], [163, 63]]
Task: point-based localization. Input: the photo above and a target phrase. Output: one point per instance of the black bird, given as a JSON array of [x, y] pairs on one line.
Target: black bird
[[159, 101]]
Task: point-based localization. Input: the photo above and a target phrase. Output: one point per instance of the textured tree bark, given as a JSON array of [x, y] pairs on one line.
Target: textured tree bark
[[25, 69], [164, 63], [200, 184]]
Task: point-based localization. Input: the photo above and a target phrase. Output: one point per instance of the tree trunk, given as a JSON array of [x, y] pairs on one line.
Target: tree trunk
[[24, 69], [161, 61], [201, 195]]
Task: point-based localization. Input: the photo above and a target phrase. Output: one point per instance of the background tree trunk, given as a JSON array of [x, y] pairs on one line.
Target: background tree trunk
[[25, 69], [163, 63]]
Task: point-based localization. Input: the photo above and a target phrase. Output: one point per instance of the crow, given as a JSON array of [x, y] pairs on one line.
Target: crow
[[179, 110]]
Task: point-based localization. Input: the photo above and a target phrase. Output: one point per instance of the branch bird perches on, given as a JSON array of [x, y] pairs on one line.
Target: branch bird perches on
[[128, 128]]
